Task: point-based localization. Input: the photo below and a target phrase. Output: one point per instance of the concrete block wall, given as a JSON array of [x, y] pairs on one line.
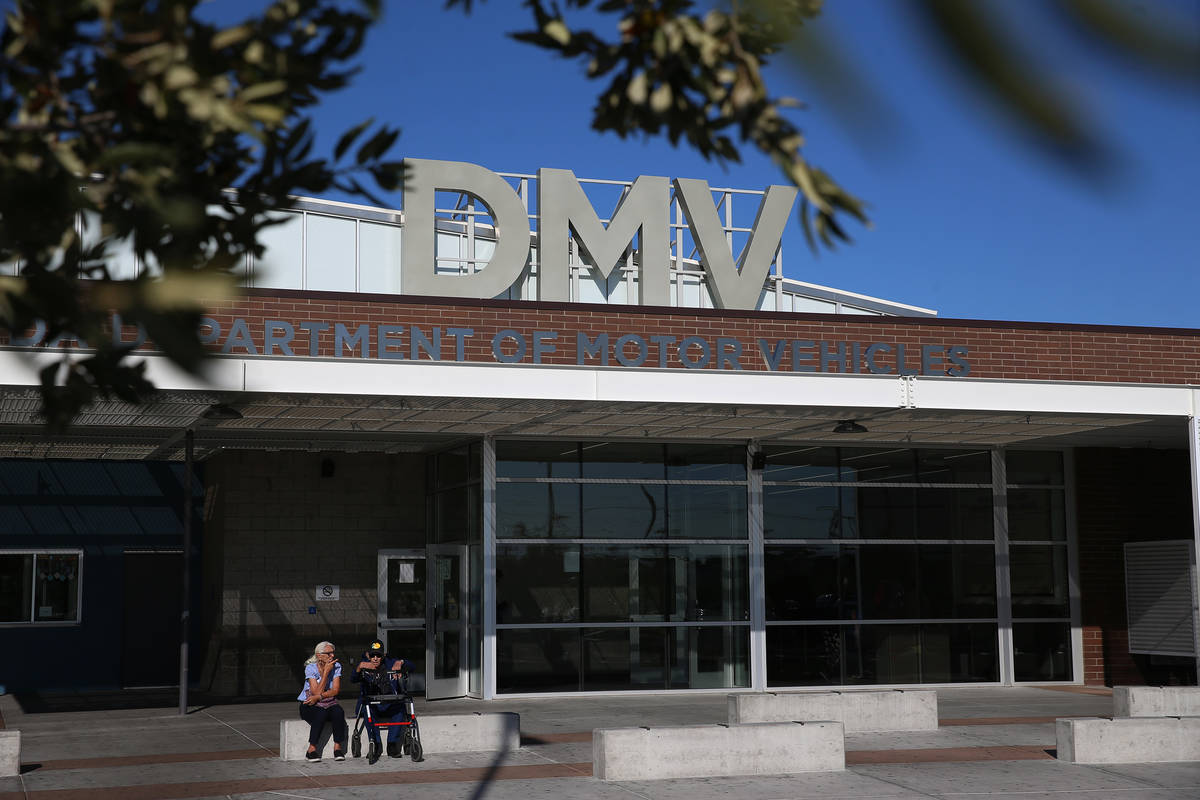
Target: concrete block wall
[[277, 529]]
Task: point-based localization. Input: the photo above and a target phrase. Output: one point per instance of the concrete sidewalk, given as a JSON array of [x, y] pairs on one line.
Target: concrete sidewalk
[[992, 742]]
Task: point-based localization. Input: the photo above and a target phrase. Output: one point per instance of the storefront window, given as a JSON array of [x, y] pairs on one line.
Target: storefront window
[[39, 587], [681, 602]]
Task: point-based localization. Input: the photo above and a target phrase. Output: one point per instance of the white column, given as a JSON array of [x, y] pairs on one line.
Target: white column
[[758, 613], [1194, 459], [1003, 587], [489, 568]]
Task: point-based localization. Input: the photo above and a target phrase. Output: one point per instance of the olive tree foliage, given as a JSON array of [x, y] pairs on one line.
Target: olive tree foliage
[[135, 123]]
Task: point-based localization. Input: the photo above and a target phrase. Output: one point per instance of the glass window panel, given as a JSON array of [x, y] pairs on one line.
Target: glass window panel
[[801, 464], [882, 654], [811, 582], [379, 258], [704, 462], [1042, 651], [624, 511], [889, 581], [623, 460], [331, 247], [804, 655], [16, 585], [707, 512], [1037, 515], [801, 512], [1039, 580], [607, 660], [537, 510], [453, 467], [959, 653], [711, 658], [457, 516], [1034, 466], [282, 262], [954, 466], [406, 589], [957, 581], [890, 465], [544, 660], [624, 583], [537, 460], [57, 588], [120, 258], [716, 582], [954, 513], [879, 513], [537, 583], [657, 584]]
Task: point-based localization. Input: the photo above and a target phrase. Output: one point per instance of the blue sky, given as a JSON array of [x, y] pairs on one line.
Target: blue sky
[[968, 219]]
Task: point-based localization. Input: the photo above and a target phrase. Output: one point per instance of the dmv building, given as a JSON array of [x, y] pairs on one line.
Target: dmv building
[[541, 451]]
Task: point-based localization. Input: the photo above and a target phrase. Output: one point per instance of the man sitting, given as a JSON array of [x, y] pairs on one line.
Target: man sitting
[[379, 673]]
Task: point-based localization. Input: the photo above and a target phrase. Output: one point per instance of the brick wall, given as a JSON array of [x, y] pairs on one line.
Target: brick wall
[[995, 349], [277, 528], [1125, 495]]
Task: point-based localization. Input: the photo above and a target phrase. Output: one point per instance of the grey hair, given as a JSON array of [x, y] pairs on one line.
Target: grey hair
[[318, 647]]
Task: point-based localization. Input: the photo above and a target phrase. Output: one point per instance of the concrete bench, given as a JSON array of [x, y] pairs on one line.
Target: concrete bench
[[443, 733], [1128, 740], [887, 710], [706, 751], [10, 753], [1156, 701]]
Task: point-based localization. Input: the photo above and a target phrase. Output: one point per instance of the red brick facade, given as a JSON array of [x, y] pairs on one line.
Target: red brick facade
[[1041, 351]]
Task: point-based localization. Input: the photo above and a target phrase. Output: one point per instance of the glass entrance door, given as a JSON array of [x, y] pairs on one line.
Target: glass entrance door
[[446, 636], [401, 613]]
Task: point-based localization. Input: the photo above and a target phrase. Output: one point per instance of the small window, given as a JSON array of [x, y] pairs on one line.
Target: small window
[[39, 586]]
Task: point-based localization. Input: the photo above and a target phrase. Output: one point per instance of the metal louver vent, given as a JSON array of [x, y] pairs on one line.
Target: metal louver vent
[[1160, 597]]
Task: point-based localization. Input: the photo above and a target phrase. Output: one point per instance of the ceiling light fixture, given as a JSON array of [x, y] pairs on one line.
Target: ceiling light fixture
[[848, 426], [220, 411]]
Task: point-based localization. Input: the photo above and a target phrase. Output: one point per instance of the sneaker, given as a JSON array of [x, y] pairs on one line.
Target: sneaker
[[313, 755], [373, 752], [394, 749], [339, 755]]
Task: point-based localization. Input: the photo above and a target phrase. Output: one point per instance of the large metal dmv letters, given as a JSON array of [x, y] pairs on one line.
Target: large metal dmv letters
[[564, 208]]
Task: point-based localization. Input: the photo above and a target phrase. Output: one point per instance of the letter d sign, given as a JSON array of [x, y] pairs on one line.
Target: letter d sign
[[418, 244]]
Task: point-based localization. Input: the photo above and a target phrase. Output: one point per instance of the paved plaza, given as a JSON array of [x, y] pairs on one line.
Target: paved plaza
[[994, 742]]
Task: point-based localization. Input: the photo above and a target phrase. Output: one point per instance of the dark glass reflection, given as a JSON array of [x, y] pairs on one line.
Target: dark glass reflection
[[537, 460], [1038, 576], [826, 655], [801, 512], [707, 512], [1044, 467], [811, 582], [706, 462], [624, 511], [885, 512], [954, 513], [1042, 651], [889, 465], [537, 583], [801, 464], [628, 460], [609, 659], [541, 660], [957, 581], [1037, 515], [537, 511], [954, 466]]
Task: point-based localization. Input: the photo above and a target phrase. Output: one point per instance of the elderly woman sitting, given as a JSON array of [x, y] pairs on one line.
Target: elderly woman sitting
[[318, 701]]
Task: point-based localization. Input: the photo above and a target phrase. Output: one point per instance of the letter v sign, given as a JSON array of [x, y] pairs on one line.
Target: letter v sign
[[735, 286]]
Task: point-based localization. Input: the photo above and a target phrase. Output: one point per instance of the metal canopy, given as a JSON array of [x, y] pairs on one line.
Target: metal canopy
[[392, 424]]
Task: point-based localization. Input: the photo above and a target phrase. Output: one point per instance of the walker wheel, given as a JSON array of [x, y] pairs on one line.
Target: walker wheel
[[414, 749]]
